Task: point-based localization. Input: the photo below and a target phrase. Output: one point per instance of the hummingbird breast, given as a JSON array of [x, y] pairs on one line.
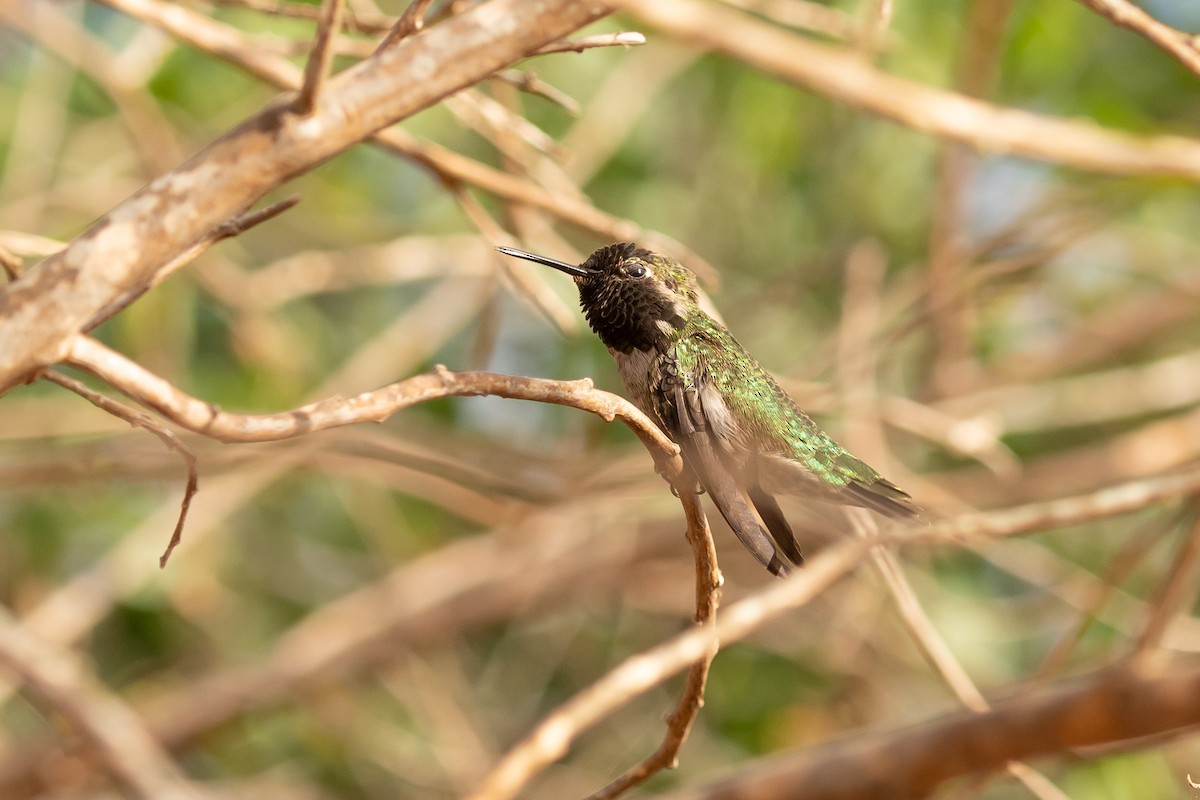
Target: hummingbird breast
[[641, 372], [646, 372]]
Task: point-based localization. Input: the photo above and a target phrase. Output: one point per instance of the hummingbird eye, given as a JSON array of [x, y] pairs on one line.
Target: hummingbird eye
[[637, 271]]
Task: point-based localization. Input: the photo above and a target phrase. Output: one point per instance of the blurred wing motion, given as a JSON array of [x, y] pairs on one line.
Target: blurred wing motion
[[684, 413], [743, 472]]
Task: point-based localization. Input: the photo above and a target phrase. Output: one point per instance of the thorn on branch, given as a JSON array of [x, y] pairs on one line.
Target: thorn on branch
[[239, 225]]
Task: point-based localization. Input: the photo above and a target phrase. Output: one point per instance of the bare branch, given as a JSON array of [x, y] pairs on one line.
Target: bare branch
[[912, 761], [226, 230], [10, 264], [1019, 520], [708, 596], [553, 735], [139, 419], [623, 39], [802, 14], [40, 311], [528, 81], [355, 19], [1175, 593], [376, 406], [846, 78], [1181, 45], [320, 58], [28, 244], [410, 22]]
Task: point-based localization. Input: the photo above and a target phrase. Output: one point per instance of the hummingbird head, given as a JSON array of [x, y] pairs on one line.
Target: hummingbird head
[[634, 299]]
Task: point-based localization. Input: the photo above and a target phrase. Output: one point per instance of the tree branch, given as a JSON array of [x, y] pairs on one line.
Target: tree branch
[[553, 735], [320, 58], [138, 419], [376, 406], [708, 596], [843, 76], [1106, 707], [41, 310], [1182, 46]]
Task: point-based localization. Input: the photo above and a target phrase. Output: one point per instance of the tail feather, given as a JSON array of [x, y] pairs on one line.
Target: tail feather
[[883, 496], [777, 524]]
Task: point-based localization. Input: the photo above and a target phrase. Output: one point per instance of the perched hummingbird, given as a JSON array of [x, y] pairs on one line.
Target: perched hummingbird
[[742, 437]]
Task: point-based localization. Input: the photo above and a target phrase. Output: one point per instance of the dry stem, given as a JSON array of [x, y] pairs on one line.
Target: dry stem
[[139, 419], [320, 59], [910, 762]]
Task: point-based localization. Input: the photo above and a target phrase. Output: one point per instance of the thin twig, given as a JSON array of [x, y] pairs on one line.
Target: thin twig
[[529, 81], [876, 19], [1122, 564], [499, 125], [553, 735], [29, 244], [320, 58], [708, 597], [410, 22], [623, 39], [1181, 45], [355, 20], [1176, 591], [802, 14], [531, 283], [226, 230], [919, 626], [1110, 501], [139, 419]]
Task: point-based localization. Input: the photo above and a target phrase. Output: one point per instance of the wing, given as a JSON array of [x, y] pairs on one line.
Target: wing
[[881, 495], [789, 453], [681, 409]]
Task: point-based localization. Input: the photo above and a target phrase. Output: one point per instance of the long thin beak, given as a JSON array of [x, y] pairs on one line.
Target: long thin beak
[[561, 266]]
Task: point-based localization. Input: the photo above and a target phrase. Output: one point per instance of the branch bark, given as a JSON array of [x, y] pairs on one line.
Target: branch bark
[[911, 762], [41, 310], [375, 406], [843, 76]]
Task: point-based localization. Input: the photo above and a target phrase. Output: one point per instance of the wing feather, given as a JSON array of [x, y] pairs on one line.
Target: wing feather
[[683, 411]]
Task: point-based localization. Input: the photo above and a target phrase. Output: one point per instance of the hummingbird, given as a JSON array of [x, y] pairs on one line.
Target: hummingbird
[[742, 437]]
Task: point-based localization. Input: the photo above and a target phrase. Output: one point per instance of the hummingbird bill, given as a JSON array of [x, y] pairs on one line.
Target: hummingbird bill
[[742, 437]]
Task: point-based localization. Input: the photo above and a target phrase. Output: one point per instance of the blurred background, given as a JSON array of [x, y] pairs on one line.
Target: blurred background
[[378, 612]]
